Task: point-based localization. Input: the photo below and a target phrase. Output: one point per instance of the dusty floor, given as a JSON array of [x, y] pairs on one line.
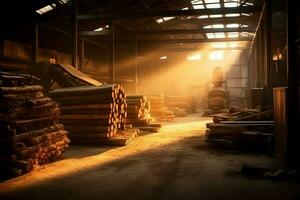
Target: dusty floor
[[173, 164]]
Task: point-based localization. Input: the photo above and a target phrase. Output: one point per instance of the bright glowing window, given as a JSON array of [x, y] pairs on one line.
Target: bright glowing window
[[219, 45], [194, 57], [210, 35], [232, 34], [220, 35], [216, 55], [163, 58]]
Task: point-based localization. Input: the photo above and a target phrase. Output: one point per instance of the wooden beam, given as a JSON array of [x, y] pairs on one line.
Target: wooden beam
[[35, 44], [191, 31], [170, 13], [169, 31], [146, 41], [74, 33]]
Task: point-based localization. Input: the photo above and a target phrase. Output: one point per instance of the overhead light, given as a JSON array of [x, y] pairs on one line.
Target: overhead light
[[194, 57], [46, 9], [163, 58]]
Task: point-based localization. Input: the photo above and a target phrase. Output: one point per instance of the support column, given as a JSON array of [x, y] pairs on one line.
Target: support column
[[74, 33], [136, 65], [81, 54], [293, 137], [112, 52], [35, 43]]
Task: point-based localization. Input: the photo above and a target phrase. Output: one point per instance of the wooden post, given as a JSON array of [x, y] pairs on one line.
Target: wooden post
[[35, 43], [81, 54], [74, 33], [136, 65], [112, 52], [293, 136]]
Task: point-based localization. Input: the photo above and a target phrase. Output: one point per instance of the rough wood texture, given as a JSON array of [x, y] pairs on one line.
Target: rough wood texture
[[92, 114], [30, 132]]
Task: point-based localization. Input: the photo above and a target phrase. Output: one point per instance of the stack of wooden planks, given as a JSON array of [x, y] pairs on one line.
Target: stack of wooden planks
[[250, 126], [159, 110], [138, 113], [30, 131], [92, 114]]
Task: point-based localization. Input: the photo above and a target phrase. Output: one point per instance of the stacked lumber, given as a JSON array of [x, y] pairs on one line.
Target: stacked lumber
[[237, 114], [180, 105], [30, 131], [138, 113], [92, 114], [159, 110], [242, 126]]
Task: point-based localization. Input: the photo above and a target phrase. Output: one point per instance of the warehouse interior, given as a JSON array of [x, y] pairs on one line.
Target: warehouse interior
[[149, 99]]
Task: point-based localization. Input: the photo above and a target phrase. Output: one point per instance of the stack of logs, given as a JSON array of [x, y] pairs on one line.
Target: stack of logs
[[30, 132], [138, 113], [92, 114], [159, 110]]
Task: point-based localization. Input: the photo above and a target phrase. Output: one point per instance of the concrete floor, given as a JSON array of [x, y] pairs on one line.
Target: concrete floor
[[173, 164]]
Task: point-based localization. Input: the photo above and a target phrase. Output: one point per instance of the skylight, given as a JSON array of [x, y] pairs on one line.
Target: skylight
[[46, 9], [210, 35], [203, 17], [218, 26], [164, 19], [215, 16], [232, 25], [232, 34], [220, 35], [102, 28], [232, 15], [214, 5]]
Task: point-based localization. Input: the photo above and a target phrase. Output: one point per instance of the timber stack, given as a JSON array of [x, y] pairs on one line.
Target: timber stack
[[138, 113], [31, 134], [92, 114], [246, 127], [159, 110]]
